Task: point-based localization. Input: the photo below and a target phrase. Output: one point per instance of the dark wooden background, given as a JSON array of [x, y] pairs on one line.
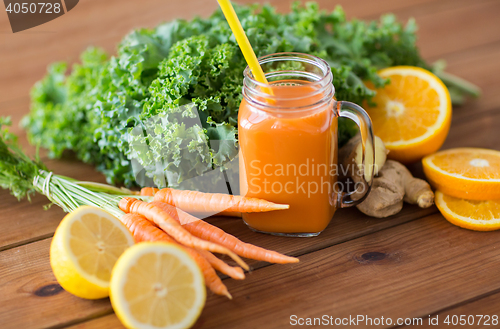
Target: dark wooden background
[[411, 265]]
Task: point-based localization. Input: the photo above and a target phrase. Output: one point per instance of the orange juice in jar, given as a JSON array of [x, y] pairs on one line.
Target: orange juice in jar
[[288, 144]]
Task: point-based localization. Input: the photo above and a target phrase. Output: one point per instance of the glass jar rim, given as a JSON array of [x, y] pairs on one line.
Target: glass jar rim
[[320, 85]]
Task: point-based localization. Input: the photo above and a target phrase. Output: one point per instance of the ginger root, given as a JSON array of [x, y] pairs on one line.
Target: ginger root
[[392, 184], [351, 155]]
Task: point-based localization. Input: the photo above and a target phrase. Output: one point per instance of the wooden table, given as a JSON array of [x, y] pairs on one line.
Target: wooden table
[[412, 265]]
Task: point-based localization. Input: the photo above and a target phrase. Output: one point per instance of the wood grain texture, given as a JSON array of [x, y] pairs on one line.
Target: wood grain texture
[[481, 66], [22, 222], [105, 322], [406, 271], [400, 266], [477, 131], [28, 53], [394, 273], [31, 297], [475, 65], [443, 25], [452, 26], [19, 298], [483, 306]]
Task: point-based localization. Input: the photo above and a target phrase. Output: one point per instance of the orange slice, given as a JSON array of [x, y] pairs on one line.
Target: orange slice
[[412, 114], [468, 173], [471, 214]]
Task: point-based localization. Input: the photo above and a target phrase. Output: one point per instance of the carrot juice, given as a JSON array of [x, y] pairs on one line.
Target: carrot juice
[[288, 145], [290, 164]]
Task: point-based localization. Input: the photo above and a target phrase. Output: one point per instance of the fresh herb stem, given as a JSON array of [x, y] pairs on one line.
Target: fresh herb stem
[[24, 176], [457, 82], [70, 195], [98, 187]]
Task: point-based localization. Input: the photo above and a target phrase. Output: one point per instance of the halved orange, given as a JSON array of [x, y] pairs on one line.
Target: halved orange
[[468, 173], [412, 114], [471, 214]]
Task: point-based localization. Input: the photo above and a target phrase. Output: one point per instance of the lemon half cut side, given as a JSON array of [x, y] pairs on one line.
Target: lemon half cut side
[[84, 249], [157, 285]]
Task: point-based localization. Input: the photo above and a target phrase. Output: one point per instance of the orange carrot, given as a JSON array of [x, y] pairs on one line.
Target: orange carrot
[[149, 191], [173, 228], [209, 232], [199, 202], [150, 232], [234, 272], [150, 229], [144, 230], [234, 214]]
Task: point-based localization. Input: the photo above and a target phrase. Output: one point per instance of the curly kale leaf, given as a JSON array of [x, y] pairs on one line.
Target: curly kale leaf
[[103, 110]]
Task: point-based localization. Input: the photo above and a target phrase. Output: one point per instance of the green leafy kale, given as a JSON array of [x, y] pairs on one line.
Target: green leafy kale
[[107, 110]]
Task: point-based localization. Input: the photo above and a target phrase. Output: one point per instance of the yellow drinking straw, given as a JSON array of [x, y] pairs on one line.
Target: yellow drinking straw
[[241, 38]]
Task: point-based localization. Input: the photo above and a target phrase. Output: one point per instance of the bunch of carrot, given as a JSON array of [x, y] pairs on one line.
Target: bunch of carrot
[[168, 218]]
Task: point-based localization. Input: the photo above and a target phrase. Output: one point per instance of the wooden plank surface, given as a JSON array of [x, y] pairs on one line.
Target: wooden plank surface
[[474, 132], [40, 46], [31, 296], [394, 273], [414, 264], [407, 271], [26, 54], [476, 65], [452, 26], [479, 65], [350, 224], [478, 313], [30, 215]]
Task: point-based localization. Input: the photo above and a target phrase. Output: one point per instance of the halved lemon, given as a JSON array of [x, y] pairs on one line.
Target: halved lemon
[[468, 173], [85, 247], [471, 214], [157, 285], [413, 113]]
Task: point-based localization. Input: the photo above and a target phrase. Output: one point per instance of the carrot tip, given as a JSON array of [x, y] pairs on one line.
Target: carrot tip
[[282, 206], [237, 259], [228, 295], [241, 263], [239, 275]]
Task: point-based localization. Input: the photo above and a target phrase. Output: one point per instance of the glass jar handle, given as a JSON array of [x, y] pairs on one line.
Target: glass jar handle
[[357, 114]]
